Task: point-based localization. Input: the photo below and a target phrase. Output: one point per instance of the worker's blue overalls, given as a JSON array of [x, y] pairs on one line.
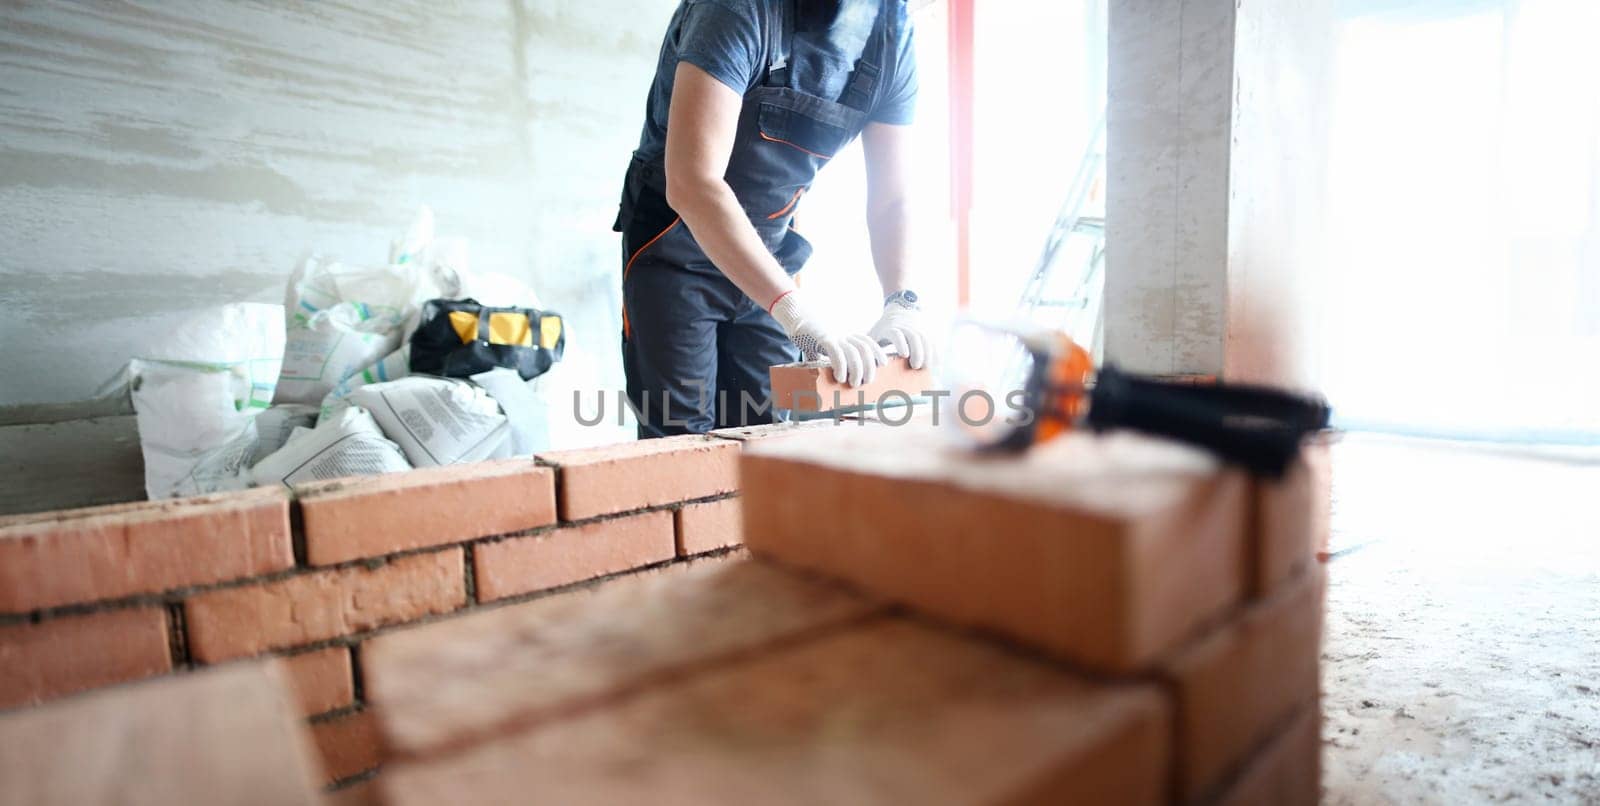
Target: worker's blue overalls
[[695, 349]]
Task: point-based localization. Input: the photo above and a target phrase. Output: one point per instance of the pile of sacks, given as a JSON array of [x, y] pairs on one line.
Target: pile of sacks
[[256, 394]]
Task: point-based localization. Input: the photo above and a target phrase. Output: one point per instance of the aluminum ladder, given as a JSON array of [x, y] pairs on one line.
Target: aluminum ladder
[[1080, 228]]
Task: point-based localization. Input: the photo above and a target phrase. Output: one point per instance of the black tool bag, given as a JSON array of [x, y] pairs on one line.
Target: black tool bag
[[458, 338]]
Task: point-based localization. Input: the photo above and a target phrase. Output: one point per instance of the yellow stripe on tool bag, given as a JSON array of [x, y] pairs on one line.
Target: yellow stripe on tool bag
[[466, 325], [506, 328], [510, 328], [549, 331]]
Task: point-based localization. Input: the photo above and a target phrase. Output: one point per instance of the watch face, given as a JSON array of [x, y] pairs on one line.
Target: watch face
[[908, 297]]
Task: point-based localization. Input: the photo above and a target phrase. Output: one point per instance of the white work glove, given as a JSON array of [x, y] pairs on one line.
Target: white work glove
[[855, 357], [902, 326]]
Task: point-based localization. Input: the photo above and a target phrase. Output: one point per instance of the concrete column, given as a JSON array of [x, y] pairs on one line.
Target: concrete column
[[1215, 124], [1282, 115]]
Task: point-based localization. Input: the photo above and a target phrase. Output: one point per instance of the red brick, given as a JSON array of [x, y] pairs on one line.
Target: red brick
[[572, 554], [1105, 550], [83, 555], [887, 712], [810, 386], [348, 744], [319, 605], [457, 681], [708, 526], [1288, 772], [322, 679], [348, 519], [63, 655], [1236, 684], [223, 736], [1291, 520], [646, 473]]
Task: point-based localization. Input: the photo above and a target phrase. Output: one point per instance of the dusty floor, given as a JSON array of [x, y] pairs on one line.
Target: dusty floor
[[1462, 658]]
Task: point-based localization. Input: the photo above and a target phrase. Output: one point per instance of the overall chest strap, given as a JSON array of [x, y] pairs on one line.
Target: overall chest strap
[[859, 90], [863, 81], [780, 43]]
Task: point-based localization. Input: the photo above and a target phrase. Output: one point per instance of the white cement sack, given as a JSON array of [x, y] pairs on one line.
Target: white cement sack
[[197, 393], [343, 318], [392, 367], [348, 444], [525, 411], [276, 424], [437, 421]]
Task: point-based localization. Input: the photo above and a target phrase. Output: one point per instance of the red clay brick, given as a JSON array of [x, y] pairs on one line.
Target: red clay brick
[[1288, 772], [572, 554], [322, 680], [887, 712], [63, 655], [348, 519], [1290, 514], [1236, 684], [1105, 550], [708, 526], [348, 744], [646, 473], [222, 736], [83, 555], [316, 606], [811, 387], [455, 682]]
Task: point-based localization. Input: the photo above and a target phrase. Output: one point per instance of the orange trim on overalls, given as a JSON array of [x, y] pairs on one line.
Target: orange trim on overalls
[[772, 139], [627, 330], [787, 207]]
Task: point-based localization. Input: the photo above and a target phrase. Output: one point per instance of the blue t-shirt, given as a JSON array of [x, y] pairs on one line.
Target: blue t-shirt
[[728, 39]]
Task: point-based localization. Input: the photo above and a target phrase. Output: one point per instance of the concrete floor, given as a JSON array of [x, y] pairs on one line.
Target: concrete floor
[[1462, 657]]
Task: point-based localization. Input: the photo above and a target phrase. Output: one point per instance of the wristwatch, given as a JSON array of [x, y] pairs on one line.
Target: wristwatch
[[905, 299]]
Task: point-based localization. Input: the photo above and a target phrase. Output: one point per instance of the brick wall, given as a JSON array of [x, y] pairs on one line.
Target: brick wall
[[1166, 652], [1122, 560], [1103, 620], [106, 595]]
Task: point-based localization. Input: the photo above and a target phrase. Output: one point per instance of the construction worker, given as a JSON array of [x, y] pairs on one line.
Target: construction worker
[[750, 99]]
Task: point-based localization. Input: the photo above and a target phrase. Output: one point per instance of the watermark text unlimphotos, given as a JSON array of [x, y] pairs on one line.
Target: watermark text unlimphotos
[[975, 408]]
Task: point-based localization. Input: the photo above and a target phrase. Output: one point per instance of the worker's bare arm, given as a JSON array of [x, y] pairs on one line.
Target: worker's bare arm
[[887, 150], [701, 124]]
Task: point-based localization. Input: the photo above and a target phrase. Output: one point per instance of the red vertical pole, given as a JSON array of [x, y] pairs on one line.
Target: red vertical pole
[[962, 85]]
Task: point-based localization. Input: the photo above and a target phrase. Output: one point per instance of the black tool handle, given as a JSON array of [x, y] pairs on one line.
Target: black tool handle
[[1257, 427]]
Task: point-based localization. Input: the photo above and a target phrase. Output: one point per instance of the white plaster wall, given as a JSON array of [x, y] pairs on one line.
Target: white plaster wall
[[1169, 99], [163, 155]]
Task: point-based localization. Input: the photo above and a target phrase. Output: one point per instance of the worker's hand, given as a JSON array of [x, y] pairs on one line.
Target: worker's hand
[[902, 325], [855, 356]]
